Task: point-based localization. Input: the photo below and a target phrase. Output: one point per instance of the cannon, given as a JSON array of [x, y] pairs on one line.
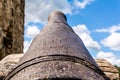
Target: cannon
[[57, 53]]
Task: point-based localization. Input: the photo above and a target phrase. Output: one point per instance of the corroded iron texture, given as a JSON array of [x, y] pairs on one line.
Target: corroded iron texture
[[57, 52]]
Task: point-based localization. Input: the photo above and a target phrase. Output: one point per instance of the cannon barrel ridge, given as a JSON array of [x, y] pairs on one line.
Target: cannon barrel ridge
[[57, 53]]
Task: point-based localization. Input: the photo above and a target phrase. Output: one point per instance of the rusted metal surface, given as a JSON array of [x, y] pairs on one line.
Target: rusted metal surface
[[54, 58], [57, 52]]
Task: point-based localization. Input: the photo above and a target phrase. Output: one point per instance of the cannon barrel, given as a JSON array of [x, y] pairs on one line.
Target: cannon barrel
[[57, 53]]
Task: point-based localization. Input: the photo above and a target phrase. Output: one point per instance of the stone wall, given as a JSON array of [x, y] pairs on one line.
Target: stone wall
[[108, 69], [11, 27], [8, 63]]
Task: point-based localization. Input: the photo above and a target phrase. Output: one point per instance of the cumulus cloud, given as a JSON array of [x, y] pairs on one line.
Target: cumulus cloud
[[31, 31], [26, 45], [111, 29], [82, 4], [38, 10], [112, 41], [84, 34], [109, 56]]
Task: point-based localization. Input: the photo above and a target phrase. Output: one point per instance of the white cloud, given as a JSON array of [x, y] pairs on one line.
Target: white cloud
[[84, 34], [106, 55], [109, 56], [112, 41], [38, 10], [111, 29], [26, 45], [82, 4], [31, 31]]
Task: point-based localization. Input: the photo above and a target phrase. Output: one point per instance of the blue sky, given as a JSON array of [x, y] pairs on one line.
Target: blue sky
[[97, 23]]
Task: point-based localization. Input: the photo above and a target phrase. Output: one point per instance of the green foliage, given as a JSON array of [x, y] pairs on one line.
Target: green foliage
[[118, 68]]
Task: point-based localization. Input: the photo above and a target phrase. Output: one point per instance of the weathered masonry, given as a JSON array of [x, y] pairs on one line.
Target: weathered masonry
[[57, 53], [11, 27]]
